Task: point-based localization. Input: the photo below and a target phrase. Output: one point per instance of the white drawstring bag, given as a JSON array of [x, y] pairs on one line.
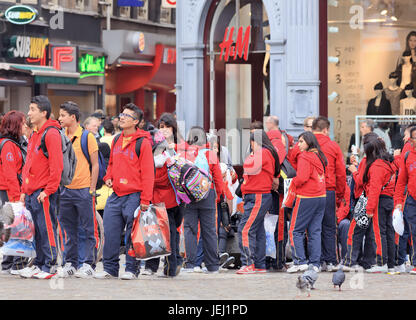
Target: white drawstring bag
[[398, 223]]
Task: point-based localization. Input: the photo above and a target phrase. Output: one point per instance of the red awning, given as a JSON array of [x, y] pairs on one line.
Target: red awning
[[130, 76]]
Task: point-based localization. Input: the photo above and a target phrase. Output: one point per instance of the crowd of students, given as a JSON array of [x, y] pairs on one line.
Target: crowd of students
[[316, 223]]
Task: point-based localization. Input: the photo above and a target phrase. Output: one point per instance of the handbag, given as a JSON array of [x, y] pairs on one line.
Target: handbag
[[238, 192], [287, 172]]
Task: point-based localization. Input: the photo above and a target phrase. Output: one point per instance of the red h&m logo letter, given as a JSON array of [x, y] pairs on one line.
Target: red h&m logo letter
[[241, 46]]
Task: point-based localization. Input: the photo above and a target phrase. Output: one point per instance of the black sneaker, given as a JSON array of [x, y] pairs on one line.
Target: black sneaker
[[227, 263], [223, 257]]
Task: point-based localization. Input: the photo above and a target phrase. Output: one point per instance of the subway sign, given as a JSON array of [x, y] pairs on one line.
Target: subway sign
[[21, 14]]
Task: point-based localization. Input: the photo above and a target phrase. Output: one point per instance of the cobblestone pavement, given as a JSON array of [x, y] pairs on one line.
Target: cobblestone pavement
[[225, 285]]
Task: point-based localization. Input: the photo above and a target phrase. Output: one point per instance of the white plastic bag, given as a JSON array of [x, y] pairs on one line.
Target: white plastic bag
[[23, 227], [270, 221], [398, 223]]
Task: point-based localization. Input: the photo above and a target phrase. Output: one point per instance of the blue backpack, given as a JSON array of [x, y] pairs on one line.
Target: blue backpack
[[102, 164]]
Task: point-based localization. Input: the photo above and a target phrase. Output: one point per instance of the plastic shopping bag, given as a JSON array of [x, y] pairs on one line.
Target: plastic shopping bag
[[150, 235], [21, 248], [22, 227], [270, 221], [289, 193], [398, 223]]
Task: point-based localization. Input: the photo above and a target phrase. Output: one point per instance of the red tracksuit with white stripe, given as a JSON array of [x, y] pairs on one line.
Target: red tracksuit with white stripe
[[309, 208], [379, 190], [335, 177], [407, 177], [44, 174], [258, 175], [11, 166]]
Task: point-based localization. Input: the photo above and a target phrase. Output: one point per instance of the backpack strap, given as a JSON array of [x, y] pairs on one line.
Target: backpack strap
[[84, 145], [4, 142], [42, 141], [406, 156]]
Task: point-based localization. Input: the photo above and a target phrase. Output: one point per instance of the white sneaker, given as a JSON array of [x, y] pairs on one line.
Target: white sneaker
[[331, 267], [15, 272], [29, 272], [354, 268], [146, 272], [67, 271], [378, 269], [128, 276], [187, 270], [297, 268], [43, 275], [317, 270], [103, 275], [86, 271], [5, 272], [198, 270], [400, 269]]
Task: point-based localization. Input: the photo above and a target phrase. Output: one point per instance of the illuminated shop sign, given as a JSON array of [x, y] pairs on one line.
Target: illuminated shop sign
[[90, 66], [20, 14], [30, 48], [241, 46]]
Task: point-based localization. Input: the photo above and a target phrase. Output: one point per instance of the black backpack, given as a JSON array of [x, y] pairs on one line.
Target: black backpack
[[23, 150]]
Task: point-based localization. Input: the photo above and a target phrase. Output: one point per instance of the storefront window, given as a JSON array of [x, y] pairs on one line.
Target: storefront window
[[372, 66]]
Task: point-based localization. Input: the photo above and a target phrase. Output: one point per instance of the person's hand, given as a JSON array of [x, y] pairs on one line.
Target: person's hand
[[41, 197], [370, 215], [352, 168], [397, 152], [144, 207], [22, 198], [109, 183], [353, 160], [399, 206]]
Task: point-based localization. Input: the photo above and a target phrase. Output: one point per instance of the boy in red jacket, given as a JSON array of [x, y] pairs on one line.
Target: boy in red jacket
[[40, 182], [335, 177], [132, 178]]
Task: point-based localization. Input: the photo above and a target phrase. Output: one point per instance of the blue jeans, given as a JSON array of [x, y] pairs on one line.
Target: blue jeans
[[119, 213]]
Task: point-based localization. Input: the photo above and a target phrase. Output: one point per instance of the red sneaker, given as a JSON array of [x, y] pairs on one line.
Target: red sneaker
[[413, 271], [260, 270], [246, 270]]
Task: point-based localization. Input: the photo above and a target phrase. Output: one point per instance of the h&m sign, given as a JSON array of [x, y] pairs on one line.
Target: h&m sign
[[241, 46]]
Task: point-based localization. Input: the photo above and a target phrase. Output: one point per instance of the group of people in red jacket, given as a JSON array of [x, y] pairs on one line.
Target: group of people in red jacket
[[315, 222]]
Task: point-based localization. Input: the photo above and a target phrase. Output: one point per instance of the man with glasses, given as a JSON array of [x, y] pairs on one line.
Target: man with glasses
[[131, 176]]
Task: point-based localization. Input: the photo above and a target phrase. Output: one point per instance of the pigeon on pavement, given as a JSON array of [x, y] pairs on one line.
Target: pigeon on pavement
[[307, 279], [338, 278]]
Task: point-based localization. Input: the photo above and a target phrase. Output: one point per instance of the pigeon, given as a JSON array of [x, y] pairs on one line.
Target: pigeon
[[307, 279], [6, 219], [338, 278]]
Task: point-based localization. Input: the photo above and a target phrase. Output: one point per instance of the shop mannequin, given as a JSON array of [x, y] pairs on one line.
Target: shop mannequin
[[393, 92], [406, 70], [408, 104], [379, 105]]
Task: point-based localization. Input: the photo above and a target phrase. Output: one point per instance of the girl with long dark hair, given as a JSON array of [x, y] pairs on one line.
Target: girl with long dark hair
[[11, 163], [376, 177], [261, 171], [310, 203]]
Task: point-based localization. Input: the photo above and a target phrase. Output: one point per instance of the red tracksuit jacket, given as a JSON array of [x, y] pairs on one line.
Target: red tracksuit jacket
[[163, 190], [275, 137], [40, 172], [129, 173], [379, 174], [11, 166], [258, 172], [293, 156], [407, 177], [310, 177], [335, 175]]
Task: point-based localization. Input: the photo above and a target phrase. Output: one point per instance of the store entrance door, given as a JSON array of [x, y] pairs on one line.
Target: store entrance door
[[238, 100]]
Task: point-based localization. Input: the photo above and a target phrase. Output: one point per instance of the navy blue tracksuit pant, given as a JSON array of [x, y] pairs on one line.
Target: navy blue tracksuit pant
[[409, 216], [119, 214], [329, 230], [44, 218], [343, 228], [76, 211], [307, 215], [11, 262], [251, 233], [205, 212]]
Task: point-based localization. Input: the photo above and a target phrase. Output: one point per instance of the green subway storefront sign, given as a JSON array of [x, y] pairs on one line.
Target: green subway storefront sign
[[20, 14], [91, 66]]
